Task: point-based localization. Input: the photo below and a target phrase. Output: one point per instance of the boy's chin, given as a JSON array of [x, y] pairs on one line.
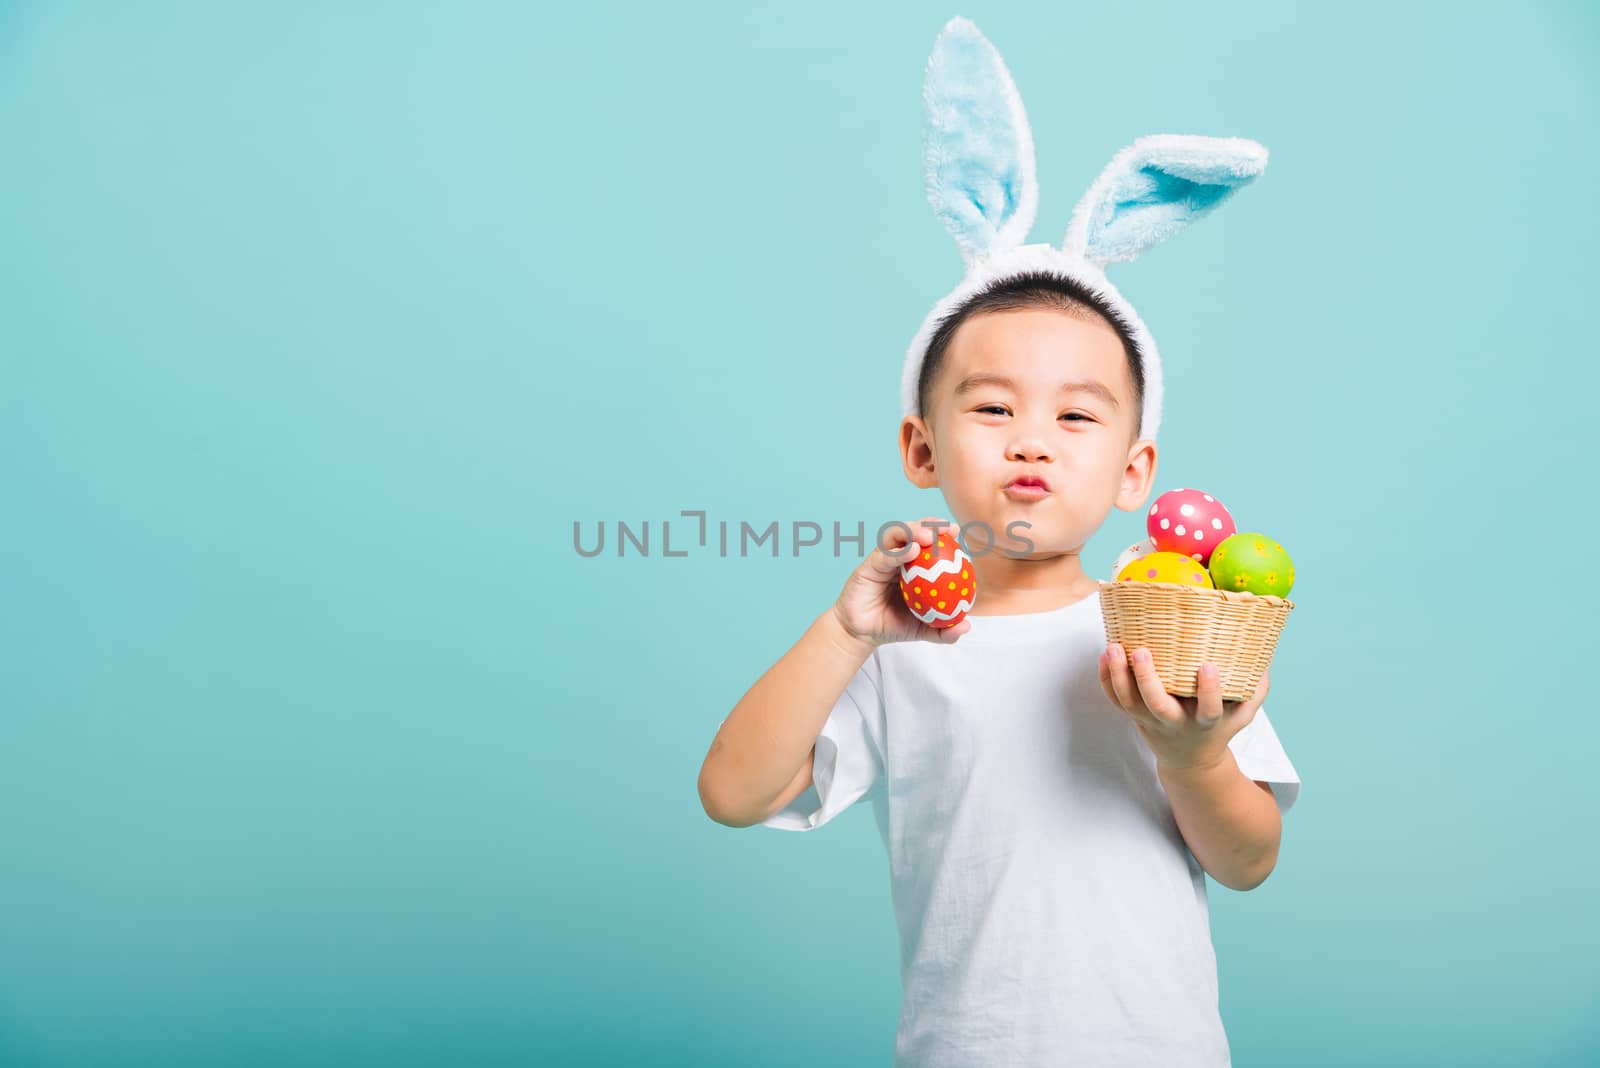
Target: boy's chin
[[1037, 554], [1021, 539]]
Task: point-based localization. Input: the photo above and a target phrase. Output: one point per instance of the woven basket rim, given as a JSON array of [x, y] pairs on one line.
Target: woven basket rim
[[1242, 596]]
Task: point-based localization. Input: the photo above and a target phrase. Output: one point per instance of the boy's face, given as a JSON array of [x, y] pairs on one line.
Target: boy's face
[[1038, 393]]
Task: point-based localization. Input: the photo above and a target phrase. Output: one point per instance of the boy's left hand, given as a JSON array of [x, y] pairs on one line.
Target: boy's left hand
[[1183, 732]]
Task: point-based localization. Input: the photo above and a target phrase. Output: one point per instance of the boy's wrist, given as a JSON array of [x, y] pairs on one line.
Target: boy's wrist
[[839, 636], [1195, 769]]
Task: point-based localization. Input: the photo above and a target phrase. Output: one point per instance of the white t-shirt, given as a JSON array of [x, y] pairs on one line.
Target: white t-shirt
[[1050, 912]]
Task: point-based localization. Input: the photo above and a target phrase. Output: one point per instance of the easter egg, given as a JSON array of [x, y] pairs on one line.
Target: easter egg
[[1252, 563], [938, 584], [1189, 522], [1166, 567], [1139, 548]]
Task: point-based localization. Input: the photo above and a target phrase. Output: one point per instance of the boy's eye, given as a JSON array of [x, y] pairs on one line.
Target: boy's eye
[[992, 408], [1079, 416]]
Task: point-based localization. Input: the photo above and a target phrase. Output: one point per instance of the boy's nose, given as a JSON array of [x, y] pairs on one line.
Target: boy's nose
[[1030, 450]]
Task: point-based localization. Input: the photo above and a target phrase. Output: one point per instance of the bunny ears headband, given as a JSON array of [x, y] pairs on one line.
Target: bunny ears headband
[[978, 157]]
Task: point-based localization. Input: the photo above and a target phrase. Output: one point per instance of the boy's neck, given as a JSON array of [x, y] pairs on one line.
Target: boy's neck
[[1009, 586]]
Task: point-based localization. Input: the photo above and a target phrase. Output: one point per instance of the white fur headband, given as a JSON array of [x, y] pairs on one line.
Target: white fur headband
[[978, 157]]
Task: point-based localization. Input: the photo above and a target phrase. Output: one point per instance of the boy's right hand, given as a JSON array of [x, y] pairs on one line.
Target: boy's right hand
[[870, 607]]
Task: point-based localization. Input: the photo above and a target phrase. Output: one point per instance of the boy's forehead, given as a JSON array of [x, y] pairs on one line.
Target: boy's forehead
[[1035, 346]]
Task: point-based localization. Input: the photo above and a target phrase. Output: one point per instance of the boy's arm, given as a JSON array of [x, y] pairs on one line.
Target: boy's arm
[[765, 746], [796, 787], [1230, 822], [761, 757]]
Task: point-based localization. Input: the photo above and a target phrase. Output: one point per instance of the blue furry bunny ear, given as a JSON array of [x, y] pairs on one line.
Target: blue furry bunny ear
[[1155, 187], [977, 151]]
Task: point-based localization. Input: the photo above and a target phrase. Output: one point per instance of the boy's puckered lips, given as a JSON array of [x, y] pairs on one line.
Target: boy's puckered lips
[[1028, 487]]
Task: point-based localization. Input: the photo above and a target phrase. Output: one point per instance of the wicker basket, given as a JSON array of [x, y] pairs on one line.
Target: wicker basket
[[1185, 626]]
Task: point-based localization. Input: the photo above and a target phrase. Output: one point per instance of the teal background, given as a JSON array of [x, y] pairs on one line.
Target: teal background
[[322, 324]]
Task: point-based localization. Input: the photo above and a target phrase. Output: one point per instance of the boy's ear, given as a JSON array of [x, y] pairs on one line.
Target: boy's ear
[[1138, 476], [916, 452]]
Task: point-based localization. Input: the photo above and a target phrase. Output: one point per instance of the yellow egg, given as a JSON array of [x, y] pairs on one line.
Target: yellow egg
[[1167, 567]]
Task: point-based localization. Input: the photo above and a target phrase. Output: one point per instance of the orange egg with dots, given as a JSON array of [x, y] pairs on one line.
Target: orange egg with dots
[[938, 585]]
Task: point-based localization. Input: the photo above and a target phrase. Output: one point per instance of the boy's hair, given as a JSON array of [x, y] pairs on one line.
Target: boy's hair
[[1032, 289]]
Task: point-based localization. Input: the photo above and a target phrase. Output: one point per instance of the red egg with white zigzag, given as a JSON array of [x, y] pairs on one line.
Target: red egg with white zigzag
[[939, 585]]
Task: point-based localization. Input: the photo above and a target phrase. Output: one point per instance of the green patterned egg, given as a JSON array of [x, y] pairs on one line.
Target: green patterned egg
[[1249, 562]]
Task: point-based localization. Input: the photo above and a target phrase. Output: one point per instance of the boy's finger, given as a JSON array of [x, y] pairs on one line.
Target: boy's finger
[[927, 534], [1243, 712], [947, 635], [881, 563], [1121, 683], [896, 545], [898, 539], [1106, 682], [932, 525], [1162, 705], [901, 540], [1208, 707]]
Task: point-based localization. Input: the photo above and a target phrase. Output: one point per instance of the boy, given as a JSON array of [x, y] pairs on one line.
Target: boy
[[1048, 823]]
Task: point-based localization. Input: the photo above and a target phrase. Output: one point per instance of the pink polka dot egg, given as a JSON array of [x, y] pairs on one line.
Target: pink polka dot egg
[[1189, 523], [1167, 567]]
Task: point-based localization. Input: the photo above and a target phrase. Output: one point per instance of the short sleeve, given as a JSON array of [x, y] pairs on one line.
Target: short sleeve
[[1260, 756], [849, 757]]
